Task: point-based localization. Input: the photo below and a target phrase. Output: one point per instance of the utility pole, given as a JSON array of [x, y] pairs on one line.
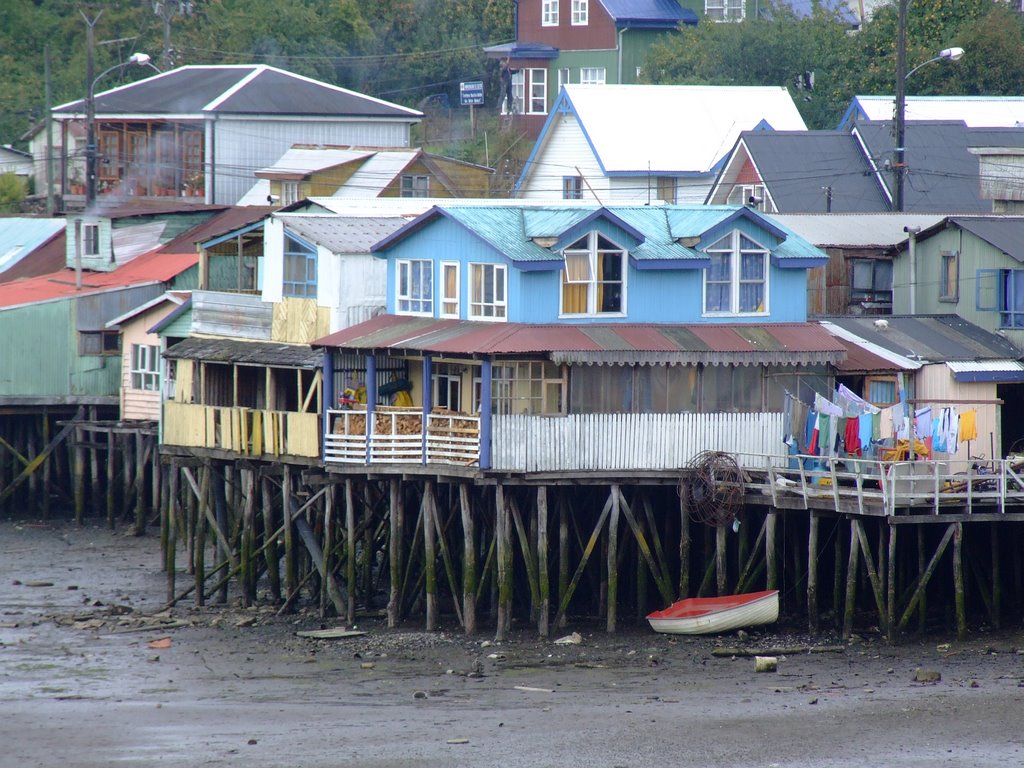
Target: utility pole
[[50, 205], [90, 111], [900, 165]]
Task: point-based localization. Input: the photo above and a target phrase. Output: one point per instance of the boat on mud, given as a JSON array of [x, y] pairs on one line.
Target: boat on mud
[[711, 615]]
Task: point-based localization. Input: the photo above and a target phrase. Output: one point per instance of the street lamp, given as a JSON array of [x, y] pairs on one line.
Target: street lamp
[[950, 54], [91, 153]]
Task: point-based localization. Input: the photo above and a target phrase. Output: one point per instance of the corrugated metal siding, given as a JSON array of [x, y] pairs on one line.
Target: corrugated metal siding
[[237, 315], [37, 349], [244, 146], [93, 312], [630, 441]]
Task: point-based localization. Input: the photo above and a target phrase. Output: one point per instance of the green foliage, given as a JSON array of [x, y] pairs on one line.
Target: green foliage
[[12, 192]]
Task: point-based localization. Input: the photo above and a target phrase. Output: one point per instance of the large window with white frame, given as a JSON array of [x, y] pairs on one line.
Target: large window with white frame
[[414, 287], [535, 387], [449, 289], [564, 77], [592, 75], [530, 91], [736, 282], [580, 13], [594, 277], [724, 10], [145, 367], [549, 13], [487, 292]]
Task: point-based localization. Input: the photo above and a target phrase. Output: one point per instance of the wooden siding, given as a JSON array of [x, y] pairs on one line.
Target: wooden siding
[[828, 287], [141, 403], [936, 383], [233, 315], [566, 153], [243, 431], [598, 33], [299, 321]]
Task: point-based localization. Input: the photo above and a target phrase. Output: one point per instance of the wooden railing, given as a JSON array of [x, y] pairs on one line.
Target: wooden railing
[[244, 431], [398, 437], [882, 488]]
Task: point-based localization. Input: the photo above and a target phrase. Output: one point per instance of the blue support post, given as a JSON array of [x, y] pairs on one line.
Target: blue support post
[[371, 402], [485, 414], [428, 392]]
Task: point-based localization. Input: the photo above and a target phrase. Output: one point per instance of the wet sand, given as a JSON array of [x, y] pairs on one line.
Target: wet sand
[[91, 675]]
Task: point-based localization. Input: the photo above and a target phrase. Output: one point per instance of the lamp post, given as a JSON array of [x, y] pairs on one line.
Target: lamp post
[[91, 153], [950, 54]]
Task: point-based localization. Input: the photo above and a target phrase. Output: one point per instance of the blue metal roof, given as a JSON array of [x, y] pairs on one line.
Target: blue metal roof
[[648, 13], [20, 236], [661, 234]]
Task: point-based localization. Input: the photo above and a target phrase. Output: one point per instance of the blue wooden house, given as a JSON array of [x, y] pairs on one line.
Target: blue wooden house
[[577, 337]]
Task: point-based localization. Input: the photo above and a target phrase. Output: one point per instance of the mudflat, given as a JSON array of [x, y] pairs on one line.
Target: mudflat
[[93, 673]]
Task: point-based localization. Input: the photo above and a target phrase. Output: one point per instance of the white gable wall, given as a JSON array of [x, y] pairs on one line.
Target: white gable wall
[[565, 151]]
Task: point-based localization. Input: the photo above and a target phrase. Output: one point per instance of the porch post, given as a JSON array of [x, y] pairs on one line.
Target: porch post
[[329, 398], [428, 392], [371, 402], [485, 414]]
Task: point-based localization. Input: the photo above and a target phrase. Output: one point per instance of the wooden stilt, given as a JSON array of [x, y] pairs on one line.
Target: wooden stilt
[[563, 556], [613, 564], [665, 580], [812, 573], [271, 554], [47, 466], [684, 549], [396, 523], [127, 463], [291, 576], [95, 488], [248, 560], [350, 551], [754, 562], [873, 576], [544, 608], [200, 547], [770, 551], [469, 577], [504, 540], [890, 599], [111, 475], [958, 581], [220, 524], [721, 564], [922, 608], [79, 480], [587, 551], [851, 582], [837, 574], [997, 587], [172, 529], [925, 577], [446, 558], [368, 545], [528, 558]]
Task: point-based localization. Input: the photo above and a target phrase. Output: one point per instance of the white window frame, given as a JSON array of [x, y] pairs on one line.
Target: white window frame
[[289, 192], [593, 75], [495, 310], [582, 264], [741, 194], [447, 378], [449, 301], [90, 239], [580, 13], [537, 104], [549, 13], [145, 367], [565, 76], [735, 249], [409, 273], [725, 10]]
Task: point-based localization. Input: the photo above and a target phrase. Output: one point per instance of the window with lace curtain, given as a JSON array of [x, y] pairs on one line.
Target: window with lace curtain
[[736, 282], [449, 289]]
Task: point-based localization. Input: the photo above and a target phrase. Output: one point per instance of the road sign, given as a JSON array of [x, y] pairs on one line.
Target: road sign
[[471, 93]]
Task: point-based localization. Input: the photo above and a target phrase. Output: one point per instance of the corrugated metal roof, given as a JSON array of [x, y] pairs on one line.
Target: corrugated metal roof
[[376, 173], [673, 129], [625, 344], [976, 111], [245, 353], [343, 234], [929, 338], [855, 230], [151, 268], [236, 89], [21, 235], [649, 13], [514, 231], [1003, 232], [299, 162]]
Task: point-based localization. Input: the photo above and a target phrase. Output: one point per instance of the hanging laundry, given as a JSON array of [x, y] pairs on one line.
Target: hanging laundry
[[787, 417], [857, 404], [876, 425], [811, 431], [923, 422], [968, 425], [826, 406], [852, 437], [865, 433], [798, 424]]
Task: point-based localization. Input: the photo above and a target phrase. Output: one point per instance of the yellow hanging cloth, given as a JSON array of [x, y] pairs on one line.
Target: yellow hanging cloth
[[968, 426]]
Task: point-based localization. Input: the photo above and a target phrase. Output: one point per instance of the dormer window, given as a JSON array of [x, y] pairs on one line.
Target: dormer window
[[580, 13], [594, 277], [549, 13], [736, 283]]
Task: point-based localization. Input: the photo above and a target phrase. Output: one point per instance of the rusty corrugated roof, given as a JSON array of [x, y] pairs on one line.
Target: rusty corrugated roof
[[610, 344], [245, 352]]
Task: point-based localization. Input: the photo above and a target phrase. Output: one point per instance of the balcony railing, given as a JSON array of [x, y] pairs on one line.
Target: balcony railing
[[398, 437]]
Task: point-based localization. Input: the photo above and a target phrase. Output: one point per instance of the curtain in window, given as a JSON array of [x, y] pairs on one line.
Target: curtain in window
[[718, 280], [752, 283]]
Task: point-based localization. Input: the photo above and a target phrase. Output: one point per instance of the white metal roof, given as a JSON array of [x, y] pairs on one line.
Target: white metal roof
[[984, 366], [675, 128], [855, 230], [308, 159], [376, 173], [975, 111]]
